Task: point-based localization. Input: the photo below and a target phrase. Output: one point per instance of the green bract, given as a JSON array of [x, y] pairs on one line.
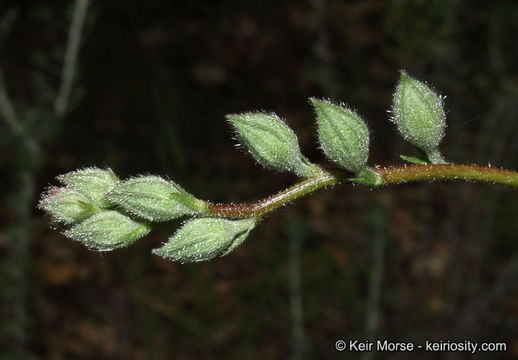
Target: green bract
[[155, 199], [204, 239], [342, 134], [419, 115], [67, 205], [272, 143], [107, 230], [92, 182]]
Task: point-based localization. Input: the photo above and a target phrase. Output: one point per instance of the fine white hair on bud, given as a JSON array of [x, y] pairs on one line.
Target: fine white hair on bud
[[92, 182], [155, 199], [343, 135], [206, 238], [418, 113], [271, 142], [67, 205], [108, 230]]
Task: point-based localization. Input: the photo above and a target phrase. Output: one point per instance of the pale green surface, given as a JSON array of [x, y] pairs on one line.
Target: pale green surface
[[271, 143], [92, 182], [418, 113], [154, 199], [67, 205], [108, 230], [206, 238], [342, 134]]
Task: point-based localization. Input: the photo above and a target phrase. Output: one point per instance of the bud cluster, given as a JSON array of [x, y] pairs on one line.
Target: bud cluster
[[105, 213]]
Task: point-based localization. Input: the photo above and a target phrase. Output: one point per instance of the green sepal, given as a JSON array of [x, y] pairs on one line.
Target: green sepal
[[272, 143], [108, 230], [92, 182], [206, 238], [155, 199], [67, 205], [343, 135]]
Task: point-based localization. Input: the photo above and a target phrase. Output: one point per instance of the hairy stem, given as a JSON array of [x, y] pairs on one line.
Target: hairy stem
[[390, 175], [405, 174], [275, 201]]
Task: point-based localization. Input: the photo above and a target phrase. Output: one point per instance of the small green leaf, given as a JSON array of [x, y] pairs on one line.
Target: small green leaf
[[414, 160], [155, 199], [108, 230], [272, 143], [67, 205], [419, 115], [368, 177], [342, 134], [92, 182], [206, 238]]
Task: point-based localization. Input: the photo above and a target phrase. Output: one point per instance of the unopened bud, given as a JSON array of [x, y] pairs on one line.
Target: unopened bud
[[92, 182], [342, 134], [419, 115], [67, 205], [271, 143], [107, 230], [155, 199], [206, 238]]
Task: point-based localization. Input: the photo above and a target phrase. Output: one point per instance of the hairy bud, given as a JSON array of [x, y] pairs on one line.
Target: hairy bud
[[419, 115], [66, 205], [342, 134], [155, 199], [206, 238], [92, 182], [107, 230], [272, 143]]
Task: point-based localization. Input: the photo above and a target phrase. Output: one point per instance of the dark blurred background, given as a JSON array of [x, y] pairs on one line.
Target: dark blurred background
[[152, 84]]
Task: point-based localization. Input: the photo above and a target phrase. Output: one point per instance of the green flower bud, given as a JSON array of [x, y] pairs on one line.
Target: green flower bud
[[107, 230], [67, 205], [342, 134], [272, 143], [419, 115], [92, 182], [155, 199], [204, 239]]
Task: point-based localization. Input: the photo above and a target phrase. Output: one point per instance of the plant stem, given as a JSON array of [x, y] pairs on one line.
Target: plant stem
[[275, 201], [390, 175], [405, 174]]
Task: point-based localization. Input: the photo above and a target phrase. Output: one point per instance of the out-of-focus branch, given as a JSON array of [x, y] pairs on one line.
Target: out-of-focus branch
[[11, 118], [71, 54]]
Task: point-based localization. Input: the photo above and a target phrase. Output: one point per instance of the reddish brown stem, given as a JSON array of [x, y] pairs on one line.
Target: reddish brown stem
[[390, 175]]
